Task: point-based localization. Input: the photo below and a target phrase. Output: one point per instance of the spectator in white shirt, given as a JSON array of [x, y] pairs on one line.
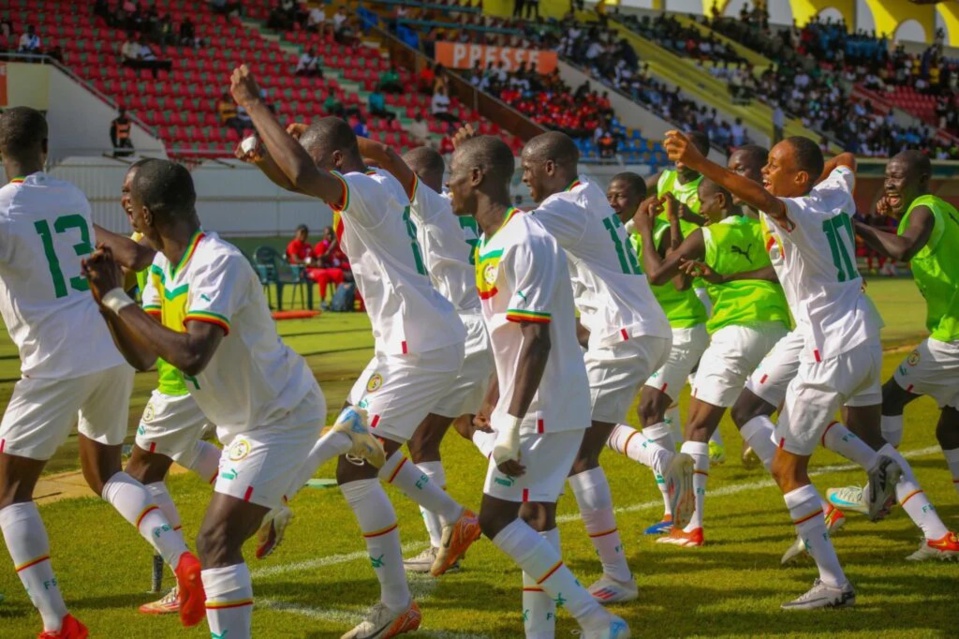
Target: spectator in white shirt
[[316, 20], [419, 132], [309, 65], [130, 50], [440, 106], [29, 41], [738, 132]]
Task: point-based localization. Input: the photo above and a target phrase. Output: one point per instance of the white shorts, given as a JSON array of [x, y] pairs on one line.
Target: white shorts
[[617, 371], [818, 391], [932, 369], [171, 425], [689, 344], [734, 352], [771, 378], [261, 465], [398, 391], [548, 458], [469, 390], [42, 412]]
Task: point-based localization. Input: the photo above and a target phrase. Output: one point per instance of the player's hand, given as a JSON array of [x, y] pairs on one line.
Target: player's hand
[[672, 207], [464, 133], [297, 129], [481, 423], [647, 212], [102, 272], [506, 450], [243, 87], [883, 207], [511, 468], [679, 149], [695, 268], [249, 150]]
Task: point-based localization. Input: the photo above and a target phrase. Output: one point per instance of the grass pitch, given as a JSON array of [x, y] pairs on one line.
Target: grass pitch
[[319, 582]]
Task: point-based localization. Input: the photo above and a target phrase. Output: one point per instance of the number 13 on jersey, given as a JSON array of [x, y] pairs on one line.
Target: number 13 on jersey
[[82, 248]]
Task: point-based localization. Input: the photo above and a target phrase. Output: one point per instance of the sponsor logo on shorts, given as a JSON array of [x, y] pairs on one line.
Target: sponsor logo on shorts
[[913, 358], [141, 430], [148, 412], [505, 481], [239, 449], [229, 474], [375, 383]]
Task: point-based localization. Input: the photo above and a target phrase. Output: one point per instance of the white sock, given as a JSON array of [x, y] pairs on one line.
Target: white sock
[[134, 503], [484, 442], [539, 609], [700, 454], [717, 438], [675, 424], [331, 445], [805, 509], [913, 500], [891, 426], [206, 461], [952, 459], [662, 435], [537, 557], [843, 441], [758, 433], [405, 475], [161, 496], [377, 520], [29, 547], [628, 441], [437, 476], [229, 601], [596, 507]]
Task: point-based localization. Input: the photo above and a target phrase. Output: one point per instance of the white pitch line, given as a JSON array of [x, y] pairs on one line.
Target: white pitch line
[[322, 562]]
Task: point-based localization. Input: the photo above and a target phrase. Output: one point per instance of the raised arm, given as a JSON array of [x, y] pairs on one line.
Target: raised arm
[[660, 270], [903, 247], [384, 156], [290, 157], [678, 148], [847, 160]]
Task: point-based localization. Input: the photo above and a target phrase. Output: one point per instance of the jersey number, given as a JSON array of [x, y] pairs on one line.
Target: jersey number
[[625, 253], [414, 243], [83, 247], [845, 268]]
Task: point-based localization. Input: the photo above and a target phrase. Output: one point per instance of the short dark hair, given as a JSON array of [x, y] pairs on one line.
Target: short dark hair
[[423, 159], [489, 153], [633, 182], [303, 228], [708, 186], [555, 146], [700, 140], [808, 156], [329, 134], [166, 189], [915, 160], [22, 131], [754, 152]]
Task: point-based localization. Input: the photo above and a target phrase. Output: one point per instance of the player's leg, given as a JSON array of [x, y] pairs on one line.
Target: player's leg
[[460, 401], [38, 418], [374, 512], [938, 541], [257, 469], [424, 449], [545, 458], [733, 354], [539, 609], [947, 432]]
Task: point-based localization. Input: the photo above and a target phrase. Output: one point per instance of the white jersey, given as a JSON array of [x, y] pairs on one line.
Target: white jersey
[[814, 254], [253, 379], [45, 230], [448, 243], [616, 302], [379, 237], [522, 276]]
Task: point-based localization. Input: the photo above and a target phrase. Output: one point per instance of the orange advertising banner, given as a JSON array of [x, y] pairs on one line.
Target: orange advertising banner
[[457, 55], [3, 84]]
